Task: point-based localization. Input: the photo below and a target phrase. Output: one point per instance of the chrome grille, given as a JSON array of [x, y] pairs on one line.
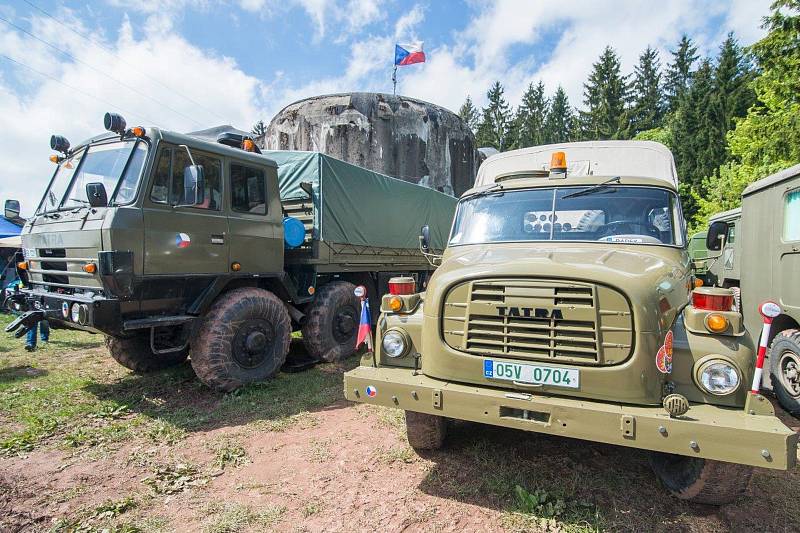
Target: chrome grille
[[544, 320]]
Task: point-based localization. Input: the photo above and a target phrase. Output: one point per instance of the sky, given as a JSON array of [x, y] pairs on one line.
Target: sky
[[186, 65]]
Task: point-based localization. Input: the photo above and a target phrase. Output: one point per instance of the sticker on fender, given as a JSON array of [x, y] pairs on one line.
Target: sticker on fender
[[534, 374]]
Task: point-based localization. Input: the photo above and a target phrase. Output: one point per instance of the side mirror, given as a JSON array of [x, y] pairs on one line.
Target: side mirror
[[194, 185], [307, 188], [716, 231], [425, 238], [11, 209], [96, 194]]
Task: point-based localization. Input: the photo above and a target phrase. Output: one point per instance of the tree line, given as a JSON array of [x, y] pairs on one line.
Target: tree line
[[729, 119]]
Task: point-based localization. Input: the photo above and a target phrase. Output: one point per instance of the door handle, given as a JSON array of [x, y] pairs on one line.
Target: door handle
[[217, 238]]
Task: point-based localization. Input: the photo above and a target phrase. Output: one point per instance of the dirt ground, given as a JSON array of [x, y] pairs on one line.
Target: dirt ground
[[118, 452]]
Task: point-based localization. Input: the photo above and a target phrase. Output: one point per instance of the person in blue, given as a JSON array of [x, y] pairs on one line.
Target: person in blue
[[42, 327]]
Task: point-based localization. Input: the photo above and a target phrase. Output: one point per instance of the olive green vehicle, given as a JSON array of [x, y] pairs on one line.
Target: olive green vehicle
[[755, 250], [171, 244], [563, 304]]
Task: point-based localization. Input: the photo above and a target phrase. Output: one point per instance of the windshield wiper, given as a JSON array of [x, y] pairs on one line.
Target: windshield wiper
[[81, 200], [494, 188], [592, 189]]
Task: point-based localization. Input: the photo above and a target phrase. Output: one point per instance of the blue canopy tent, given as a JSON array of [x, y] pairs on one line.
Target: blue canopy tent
[[8, 228]]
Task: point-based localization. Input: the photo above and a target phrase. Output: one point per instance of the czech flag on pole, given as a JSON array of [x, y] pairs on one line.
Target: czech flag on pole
[[365, 326], [408, 54]]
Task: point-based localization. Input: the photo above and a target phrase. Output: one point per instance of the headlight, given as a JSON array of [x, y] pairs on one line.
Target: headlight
[[395, 343], [718, 377]]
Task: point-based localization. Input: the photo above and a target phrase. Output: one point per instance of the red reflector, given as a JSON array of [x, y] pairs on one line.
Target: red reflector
[[402, 286], [712, 302]]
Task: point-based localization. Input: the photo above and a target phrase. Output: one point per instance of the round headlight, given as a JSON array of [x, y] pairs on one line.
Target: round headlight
[[718, 377], [75, 313], [395, 343]]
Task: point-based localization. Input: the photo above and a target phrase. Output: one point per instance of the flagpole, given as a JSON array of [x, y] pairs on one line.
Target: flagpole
[[394, 81]]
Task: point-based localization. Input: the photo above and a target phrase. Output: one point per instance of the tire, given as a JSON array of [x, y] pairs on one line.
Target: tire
[[701, 480], [331, 327], [244, 338], [135, 354], [425, 432], [784, 367]]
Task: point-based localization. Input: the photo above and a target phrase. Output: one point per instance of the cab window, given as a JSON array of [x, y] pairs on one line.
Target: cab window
[[248, 190], [168, 181], [791, 216]]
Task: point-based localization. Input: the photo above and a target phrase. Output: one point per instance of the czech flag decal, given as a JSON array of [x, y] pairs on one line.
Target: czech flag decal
[[664, 355], [371, 391], [182, 240]]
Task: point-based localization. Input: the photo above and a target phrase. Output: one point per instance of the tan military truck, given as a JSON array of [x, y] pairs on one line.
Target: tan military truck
[[757, 249], [563, 305]]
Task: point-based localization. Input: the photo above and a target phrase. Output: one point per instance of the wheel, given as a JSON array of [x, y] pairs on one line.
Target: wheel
[[135, 353], [331, 326], [425, 432], [243, 338], [701, 480], [784, 366]]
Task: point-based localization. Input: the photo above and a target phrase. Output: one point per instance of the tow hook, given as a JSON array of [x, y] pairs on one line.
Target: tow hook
[[25, 321]]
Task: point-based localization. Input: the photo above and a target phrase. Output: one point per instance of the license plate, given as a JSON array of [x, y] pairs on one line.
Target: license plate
[[534, 374]]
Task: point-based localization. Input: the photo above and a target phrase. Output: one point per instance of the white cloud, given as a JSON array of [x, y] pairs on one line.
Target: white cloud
[[572, 34], [32, 107]]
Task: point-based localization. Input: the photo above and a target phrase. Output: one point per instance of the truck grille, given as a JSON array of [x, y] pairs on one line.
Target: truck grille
[[540, 320], [60, 268]]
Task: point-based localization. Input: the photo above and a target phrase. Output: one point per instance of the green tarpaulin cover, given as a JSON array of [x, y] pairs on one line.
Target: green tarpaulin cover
[[353, 205]]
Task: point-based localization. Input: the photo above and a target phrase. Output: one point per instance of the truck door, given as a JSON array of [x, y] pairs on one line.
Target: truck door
[[787, 279], [255, 219], [184, 239]]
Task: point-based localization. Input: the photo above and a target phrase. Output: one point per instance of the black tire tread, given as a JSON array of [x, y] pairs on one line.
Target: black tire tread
[[134, 353], [211, 353], [704, 480], [425, 432], [790, 404], [317, 337]]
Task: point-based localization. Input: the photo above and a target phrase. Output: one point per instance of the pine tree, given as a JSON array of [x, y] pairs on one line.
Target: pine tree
[[679, 72], [560, 123], [495, 125], [531, 117], [732, 77], [606, 97], [648, 106], [259, 128], [469, 114]]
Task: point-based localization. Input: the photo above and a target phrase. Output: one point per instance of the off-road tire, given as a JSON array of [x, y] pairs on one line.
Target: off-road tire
[[785, 344], [425, 432], [333, 304], [135, 354], [701, 480], [221, 357]]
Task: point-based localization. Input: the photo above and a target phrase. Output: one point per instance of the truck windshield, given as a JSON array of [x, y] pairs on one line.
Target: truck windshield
[[103, 163], [611, 213]]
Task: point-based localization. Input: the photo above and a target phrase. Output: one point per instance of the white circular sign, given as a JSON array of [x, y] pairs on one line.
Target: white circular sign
[[360, 291], [770, 309]]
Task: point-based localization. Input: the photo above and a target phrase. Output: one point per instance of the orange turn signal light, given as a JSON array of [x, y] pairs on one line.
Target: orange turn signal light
[[89, 268], [558, 161], [248, 145], [236, 267], [395, 303], [698, 282], [716, 323], [22, 265], [54, 158], [138, 131]]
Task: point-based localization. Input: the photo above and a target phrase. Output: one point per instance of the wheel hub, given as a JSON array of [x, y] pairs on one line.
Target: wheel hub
[[790, 372], [344, 324], [253, 343]]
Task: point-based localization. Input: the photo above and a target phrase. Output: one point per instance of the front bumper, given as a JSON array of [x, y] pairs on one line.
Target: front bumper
[[102, 314], [707, 431]]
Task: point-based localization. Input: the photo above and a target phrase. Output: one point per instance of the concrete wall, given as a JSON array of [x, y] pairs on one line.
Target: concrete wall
[[398, 136]]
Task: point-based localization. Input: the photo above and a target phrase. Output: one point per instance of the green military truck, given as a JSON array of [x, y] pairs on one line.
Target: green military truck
[[756, 251], [563, 305], [170, 244]]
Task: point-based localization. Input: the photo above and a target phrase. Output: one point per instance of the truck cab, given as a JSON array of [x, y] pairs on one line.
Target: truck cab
[[564, 304]]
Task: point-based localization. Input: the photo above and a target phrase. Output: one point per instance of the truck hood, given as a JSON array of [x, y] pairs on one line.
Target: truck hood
[[653, 278]]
